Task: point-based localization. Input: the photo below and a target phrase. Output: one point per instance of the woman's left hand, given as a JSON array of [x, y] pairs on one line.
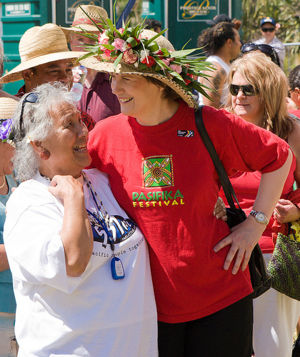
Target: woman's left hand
[[242, 240]]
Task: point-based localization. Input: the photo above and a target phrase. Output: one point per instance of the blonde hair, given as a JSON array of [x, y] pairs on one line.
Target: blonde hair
[[271, 86]]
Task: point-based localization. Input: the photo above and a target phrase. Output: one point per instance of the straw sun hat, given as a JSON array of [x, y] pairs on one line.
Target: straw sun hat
[[40, 45], [138, 56], [7, 107], [82, 19]]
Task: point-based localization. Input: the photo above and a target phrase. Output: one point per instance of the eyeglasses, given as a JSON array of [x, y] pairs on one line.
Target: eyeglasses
[[264, 48], [248, 90], [30, 98], [268, 29]]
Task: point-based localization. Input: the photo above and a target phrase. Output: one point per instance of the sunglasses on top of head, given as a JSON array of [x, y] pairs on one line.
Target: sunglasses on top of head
[[268, 29], [262, 47], [248, 90], [30, 98]]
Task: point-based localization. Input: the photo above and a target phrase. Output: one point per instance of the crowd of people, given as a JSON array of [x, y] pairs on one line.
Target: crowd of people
[[110, 244]]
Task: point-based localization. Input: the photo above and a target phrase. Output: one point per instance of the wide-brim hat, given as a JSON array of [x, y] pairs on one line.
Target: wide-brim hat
[[40, 45], [82, 19], [8, 107], [122, 68]]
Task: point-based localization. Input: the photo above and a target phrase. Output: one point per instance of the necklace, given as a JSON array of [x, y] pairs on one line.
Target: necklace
[[4, 182], [116, 266]]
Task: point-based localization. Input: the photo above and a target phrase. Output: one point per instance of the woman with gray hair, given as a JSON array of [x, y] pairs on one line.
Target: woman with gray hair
[[80, 266]]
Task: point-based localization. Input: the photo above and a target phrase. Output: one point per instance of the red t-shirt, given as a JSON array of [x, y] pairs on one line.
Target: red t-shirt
[[165, 180], [296, 112]]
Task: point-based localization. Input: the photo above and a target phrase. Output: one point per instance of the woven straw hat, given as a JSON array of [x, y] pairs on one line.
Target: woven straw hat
[[7, 107], [82, 21], [40, 45], [102, 66]]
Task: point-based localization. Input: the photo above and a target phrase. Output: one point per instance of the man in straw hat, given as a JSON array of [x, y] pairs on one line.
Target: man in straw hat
[[97, 98], [7, 301], [45, 57]]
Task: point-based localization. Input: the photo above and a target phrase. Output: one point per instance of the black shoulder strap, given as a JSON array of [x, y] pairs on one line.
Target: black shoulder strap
[[224, 180]]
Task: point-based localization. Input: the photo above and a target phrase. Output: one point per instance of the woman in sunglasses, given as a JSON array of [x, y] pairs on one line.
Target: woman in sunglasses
[[7, 181], [258, 90], [79, 264]]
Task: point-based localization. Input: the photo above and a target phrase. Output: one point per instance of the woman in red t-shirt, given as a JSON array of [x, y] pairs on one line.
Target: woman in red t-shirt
[[258, 90], [162, 175]]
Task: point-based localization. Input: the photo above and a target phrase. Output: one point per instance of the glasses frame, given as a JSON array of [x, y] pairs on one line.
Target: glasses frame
[[247, 89], [30, 98]]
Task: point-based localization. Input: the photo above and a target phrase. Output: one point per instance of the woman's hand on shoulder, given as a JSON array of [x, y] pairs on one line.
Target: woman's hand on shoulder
[[242, 240], [285, 211], [66, 188]]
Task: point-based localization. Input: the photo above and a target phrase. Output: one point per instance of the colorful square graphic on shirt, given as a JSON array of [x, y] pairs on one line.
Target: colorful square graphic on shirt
[[158, 171]]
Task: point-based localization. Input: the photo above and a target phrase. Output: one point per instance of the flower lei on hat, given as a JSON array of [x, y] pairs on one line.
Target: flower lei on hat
[[5, 129], [126, 45]]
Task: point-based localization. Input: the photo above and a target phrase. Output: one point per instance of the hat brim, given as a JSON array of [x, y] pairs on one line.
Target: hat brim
[[108, 67], [8, 107], [79, 28], [16, 73]]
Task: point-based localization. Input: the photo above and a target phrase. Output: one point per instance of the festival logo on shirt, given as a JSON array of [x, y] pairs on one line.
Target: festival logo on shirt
[[158, 171]]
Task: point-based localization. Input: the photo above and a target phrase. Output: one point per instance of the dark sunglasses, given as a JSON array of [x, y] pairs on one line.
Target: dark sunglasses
[[248, 90], [268, 29], [264, 48]]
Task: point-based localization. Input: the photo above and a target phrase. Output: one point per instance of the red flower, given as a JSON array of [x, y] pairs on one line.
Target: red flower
[[187, 81], [160, 54], [149, 61]]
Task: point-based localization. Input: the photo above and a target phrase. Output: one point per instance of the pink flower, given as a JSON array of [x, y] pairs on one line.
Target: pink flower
[[166, 61], [103, 38], [129, 56], [120, 44], [105, 41], [121, 30], [176, 68]]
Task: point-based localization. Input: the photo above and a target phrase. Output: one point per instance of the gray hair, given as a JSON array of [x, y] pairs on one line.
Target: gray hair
[[37, 125]]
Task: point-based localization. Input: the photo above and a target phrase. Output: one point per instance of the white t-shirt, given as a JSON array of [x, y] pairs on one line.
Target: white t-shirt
[[91, 315], [225, 90]]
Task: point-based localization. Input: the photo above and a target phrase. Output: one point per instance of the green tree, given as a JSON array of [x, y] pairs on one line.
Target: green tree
[[285, 12]]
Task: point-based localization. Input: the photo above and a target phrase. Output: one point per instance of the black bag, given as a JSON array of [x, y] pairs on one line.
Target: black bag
[[260, 280]]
